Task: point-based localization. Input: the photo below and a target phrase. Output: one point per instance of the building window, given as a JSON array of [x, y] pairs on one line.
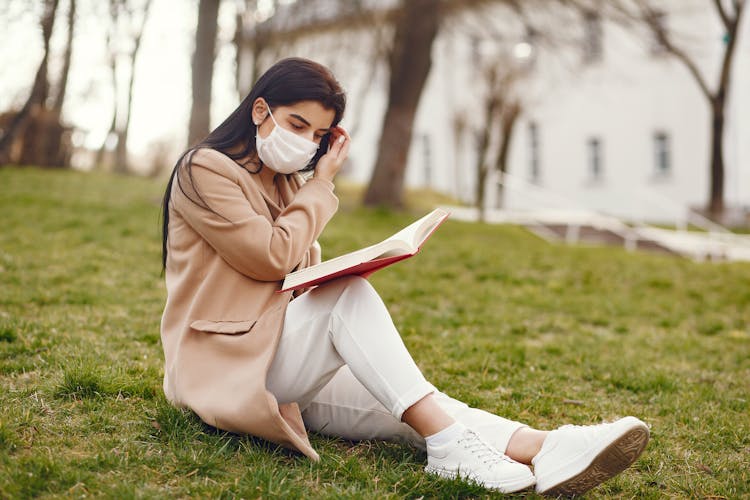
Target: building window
[[662, 154], [534, 166], [593, 37], [595, 159]]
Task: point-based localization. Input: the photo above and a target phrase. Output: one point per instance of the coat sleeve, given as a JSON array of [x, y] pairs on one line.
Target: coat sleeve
[[245, 239]]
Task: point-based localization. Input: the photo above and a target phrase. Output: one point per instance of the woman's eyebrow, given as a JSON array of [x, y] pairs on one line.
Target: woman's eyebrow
[[294, 115], [300, 118]]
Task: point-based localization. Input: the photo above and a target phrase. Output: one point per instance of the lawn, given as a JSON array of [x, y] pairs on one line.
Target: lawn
[[543, 334]]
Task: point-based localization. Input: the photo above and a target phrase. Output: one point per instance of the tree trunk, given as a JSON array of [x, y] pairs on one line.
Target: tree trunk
[[63, 85], [507, 127], [121, 149], [716, 194], [39, 91], [100, 160], [239, 42], [718, 107], [111, 35], [482, 171], [121, 152], [410, 62], [57, 147], [483, 146], [259, 45], [203, 70]]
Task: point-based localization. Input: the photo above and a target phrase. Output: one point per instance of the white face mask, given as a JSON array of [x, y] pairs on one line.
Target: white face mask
[[284, 151]]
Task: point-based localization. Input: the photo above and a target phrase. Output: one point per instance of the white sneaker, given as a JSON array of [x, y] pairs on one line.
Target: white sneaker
[[472, 458], [574, 458]]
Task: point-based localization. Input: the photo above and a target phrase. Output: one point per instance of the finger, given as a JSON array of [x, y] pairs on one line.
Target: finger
[[342, 131], [338, 132], [338, 143], [344, 151]]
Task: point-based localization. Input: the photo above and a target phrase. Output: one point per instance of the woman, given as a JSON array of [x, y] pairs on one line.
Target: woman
[[237, 219]]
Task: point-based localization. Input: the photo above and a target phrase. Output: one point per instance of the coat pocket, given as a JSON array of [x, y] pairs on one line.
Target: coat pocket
[[225, 327]]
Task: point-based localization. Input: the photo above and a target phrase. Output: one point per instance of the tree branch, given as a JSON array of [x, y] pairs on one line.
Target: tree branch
[[650, 18], [729, 51], [691, 66], [723, 14]]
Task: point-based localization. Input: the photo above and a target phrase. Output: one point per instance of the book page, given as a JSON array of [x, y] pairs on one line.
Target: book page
[[382, 249], [414, 234], [401, 245]]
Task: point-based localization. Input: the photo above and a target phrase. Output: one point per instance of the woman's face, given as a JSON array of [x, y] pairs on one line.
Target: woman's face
[[308, 119]]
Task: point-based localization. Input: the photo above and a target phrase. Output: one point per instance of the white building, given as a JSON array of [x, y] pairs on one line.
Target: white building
[[609, 122]]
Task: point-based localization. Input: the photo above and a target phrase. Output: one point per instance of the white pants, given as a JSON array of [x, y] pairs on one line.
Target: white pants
[[342, 359]]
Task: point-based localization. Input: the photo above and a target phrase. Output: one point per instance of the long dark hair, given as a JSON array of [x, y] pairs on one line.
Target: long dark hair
[[287, 82]]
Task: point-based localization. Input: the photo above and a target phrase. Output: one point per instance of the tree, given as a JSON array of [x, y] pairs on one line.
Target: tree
[[250, 32], [730, 14], [409, 63], [501, 103], [36, 134], [55, 151], [39, 90], [111, 43], [203, 70], [416, 27], [121, 152], [127, 23]]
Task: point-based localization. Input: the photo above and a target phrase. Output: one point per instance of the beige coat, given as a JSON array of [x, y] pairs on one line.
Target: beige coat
[[223, 316]]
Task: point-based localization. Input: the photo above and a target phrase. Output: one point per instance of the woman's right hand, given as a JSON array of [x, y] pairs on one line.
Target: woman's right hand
[[338, 150]]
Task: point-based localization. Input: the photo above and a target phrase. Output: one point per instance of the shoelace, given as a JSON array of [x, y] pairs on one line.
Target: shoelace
[[483, 450]]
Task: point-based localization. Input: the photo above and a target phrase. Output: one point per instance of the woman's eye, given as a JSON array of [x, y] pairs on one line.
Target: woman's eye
[[297, 127]]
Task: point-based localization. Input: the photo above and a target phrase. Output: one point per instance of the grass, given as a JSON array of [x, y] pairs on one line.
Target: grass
[[543, 334]]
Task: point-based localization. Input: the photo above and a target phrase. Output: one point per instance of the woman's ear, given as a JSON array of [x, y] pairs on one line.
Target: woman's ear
[[260, 110]]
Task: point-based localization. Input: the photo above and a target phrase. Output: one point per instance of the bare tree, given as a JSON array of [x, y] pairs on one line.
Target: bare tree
[[54, 148], [409, 62], [504, 59], [416, 27], [730, 14], [508, 120], [252, 34], [137, 26], [112, 49], [127, 22], [239, 40], [203, 69], [501, 111], [39, 91]]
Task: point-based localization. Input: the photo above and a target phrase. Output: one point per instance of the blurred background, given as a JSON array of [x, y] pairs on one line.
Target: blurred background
[[572, 116]]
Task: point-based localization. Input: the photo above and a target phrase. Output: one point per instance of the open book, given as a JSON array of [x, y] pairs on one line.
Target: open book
[[366, 261]]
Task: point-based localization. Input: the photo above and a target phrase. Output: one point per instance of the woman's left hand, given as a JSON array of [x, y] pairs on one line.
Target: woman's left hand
[[338, 150]]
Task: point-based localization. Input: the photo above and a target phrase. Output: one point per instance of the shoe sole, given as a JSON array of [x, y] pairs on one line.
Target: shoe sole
[[609, 462], [503, 487]]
